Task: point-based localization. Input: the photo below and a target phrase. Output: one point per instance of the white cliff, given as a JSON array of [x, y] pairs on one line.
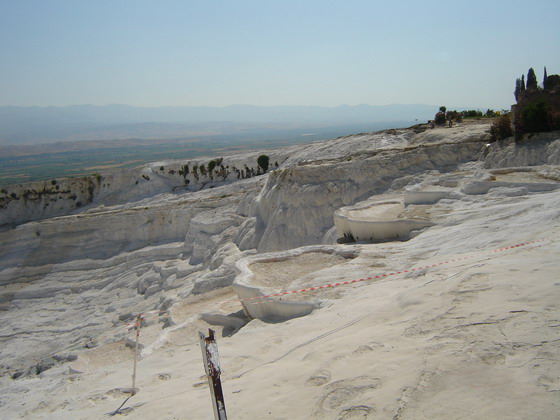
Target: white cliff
[[156, 238]]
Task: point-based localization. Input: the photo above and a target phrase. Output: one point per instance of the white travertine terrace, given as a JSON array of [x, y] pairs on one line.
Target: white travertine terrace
[[72, 277], [248, 288]]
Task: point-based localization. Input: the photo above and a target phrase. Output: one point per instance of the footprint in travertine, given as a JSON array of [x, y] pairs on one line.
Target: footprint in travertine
[[319, 378], [343, 391], [367, 348], [164, 376], [357, 412], [550, 383]]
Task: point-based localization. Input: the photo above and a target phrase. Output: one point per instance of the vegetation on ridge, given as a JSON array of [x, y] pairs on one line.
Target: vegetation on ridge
[[537, 108]]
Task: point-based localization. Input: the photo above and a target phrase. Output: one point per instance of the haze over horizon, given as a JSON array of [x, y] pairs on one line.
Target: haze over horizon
[[317, 53]]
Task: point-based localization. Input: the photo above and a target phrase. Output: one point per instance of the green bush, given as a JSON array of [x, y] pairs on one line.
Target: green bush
[[551, 82], [262, 161], [472, 113], [535, 117], [440, 117], [501, 129]]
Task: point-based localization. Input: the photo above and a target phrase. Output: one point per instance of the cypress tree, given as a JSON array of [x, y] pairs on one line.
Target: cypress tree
[[522, 83], [531, 79], [544, 77]]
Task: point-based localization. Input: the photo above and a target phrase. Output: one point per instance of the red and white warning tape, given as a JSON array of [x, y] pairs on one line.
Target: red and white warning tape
[[255, 299], [141, 317]]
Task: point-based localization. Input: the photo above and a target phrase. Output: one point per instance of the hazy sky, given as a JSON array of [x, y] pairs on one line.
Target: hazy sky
[[268, 52]]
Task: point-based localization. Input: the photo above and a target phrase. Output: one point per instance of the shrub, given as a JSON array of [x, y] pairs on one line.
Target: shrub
[[472, 113], [440, 118], [501, 129], [535, 117], [551, 82], [262, 161]]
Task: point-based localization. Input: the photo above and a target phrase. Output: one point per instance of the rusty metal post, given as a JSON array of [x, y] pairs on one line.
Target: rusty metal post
[[211, 360]]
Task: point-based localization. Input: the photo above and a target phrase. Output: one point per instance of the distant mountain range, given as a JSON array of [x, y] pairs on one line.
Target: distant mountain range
[[34, 125]]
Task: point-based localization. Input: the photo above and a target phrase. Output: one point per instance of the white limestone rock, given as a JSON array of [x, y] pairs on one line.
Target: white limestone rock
[[296, 205], [205, 225], [482, 187], [247, 237], [540, 149], [249, 288], [378, 221], [463, 132], [69, 277], [222, 269], [424, 196], [508, 191]]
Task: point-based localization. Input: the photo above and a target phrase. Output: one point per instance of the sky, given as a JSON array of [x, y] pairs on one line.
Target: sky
[[269, 52]]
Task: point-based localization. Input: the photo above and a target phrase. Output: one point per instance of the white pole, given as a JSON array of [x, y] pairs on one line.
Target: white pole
[[137, 328]]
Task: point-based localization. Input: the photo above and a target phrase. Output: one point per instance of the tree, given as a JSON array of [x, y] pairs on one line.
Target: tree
[[544, 77], [532, 79], [517, 90], [442, 109], [262, 161], [535, 117], [551, 82], [522, 83]]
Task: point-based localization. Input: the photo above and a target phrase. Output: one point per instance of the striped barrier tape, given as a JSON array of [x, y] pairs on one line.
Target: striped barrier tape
[[380, 276], [141, 317]]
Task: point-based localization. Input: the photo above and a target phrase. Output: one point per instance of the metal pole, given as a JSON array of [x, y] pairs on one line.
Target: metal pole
[[211, 360], [137, 328]]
